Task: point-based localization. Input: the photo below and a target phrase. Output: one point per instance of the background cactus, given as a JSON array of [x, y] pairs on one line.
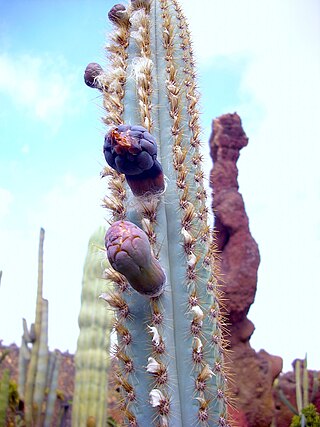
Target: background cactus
[[305, 394], [170, 348], [38, 369], [91, 359]]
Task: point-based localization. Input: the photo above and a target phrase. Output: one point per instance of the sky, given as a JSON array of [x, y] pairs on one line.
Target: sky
[[260, 59]]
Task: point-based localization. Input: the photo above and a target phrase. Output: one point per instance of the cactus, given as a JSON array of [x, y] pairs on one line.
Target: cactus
[[52, 382], [170, 345], [302, 387], [91, 360], [36, 384]]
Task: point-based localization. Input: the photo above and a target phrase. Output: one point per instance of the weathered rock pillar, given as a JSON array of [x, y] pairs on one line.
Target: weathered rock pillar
[[253, 372]]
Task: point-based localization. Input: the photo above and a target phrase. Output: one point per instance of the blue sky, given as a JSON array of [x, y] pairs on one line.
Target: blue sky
[[260, 59]]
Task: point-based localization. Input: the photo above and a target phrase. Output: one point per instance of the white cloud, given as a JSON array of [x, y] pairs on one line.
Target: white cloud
[[247, 26], [279, 172], [70, 212], [5, 201], [40, 85], [25, 149]]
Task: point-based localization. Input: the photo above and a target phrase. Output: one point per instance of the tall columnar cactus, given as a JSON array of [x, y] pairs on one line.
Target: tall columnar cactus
[[170, 346], [91, 380], [38, 369]]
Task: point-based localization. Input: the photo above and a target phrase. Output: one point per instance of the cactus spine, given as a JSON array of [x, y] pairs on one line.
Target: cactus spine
[[170, 348], [91, 380]]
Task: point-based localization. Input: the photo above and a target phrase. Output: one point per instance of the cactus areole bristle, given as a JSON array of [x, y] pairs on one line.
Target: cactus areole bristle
[[129, 253], [132, 151]]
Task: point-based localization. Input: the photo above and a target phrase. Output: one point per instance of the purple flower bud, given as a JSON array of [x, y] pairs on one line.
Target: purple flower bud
[[129, 253], [132, 150], [118, 14], [91, 73]]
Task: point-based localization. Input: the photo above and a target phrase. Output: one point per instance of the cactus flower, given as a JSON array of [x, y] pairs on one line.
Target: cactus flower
[[132, 150], [129, 253]]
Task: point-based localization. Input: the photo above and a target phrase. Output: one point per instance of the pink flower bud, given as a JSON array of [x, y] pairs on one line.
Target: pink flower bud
[[118, 14], [92, 72], [129, 253]]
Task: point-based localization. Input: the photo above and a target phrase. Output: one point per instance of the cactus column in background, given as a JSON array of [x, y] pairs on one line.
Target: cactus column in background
[[38, 369], [92, 359], [170, 347]]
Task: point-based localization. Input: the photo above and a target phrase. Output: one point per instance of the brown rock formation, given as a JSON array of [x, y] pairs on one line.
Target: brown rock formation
[[253, 372]]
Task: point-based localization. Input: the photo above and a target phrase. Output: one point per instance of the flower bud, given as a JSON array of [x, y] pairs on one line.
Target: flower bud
[[129, 253], [91, 73], [132, 151], [118, 14]]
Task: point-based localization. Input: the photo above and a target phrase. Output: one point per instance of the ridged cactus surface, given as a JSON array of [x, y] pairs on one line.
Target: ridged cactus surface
[[38, 368], [92, 359], [170, 346]]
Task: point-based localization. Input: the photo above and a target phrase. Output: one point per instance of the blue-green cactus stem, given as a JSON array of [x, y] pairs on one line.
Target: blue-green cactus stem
[[170, 347]]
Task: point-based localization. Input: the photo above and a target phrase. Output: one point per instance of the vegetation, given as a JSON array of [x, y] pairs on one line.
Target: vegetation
[[166, 300]]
